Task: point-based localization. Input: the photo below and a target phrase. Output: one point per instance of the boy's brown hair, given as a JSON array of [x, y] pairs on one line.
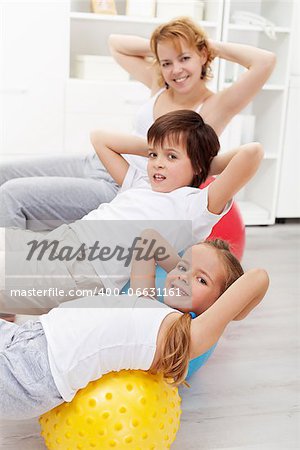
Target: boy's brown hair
[[187, 128]]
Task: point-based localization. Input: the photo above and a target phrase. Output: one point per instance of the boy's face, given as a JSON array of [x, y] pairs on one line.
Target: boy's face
[[169, 168], [196, 281]]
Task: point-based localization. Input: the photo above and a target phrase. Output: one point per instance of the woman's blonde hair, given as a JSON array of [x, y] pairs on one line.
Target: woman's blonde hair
[[175, 353], [186, 29]]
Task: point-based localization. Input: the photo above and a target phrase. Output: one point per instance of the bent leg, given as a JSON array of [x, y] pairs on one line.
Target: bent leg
[[43, 203], [7, 331], [27, 388], [34, 283], [53, 166]]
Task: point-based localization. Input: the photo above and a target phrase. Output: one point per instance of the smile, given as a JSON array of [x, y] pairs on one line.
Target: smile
[[158, 177], [181, 79], [179, 290]]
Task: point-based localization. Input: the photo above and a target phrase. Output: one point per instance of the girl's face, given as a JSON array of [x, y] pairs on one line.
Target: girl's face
[[180, 65], [197, 280], [169, 168]]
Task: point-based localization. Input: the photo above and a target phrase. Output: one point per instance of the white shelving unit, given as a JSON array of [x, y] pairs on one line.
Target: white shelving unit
[[52, 110], [114, 105], [258, 199], [33, 69]]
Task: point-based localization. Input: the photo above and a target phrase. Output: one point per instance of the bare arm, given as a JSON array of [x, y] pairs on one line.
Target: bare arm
[[109, 146], [142, 269], [236, 302], [240, 169], [134, 55], [221, 107], [220, 162]]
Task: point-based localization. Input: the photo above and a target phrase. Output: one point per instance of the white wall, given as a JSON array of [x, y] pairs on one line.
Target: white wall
[[295, 63]]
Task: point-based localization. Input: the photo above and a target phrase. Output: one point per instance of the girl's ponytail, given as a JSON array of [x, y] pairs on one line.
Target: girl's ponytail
[[175, 352]]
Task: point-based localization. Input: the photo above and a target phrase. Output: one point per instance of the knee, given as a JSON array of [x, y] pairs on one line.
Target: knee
[[13, 191], [8, 171]]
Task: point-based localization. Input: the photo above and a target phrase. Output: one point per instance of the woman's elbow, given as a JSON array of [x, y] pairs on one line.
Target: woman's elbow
[[269, 62], [257, 152], [272, 59]]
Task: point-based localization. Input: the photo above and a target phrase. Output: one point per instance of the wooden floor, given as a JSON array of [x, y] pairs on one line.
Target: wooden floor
[[247, 396]]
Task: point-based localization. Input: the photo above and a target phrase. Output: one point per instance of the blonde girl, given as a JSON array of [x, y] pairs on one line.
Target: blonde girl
[[44, 363]]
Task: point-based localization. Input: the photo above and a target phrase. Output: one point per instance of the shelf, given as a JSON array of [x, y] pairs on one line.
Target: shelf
[[270, 156], [241, 27], [266, 87], [125, 83], [133, 19], [254, 214]]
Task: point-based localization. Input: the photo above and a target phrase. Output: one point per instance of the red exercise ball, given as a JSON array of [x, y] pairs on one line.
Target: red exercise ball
[[230, 228]]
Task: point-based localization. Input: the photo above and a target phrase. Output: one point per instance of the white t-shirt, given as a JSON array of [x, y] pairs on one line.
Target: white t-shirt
[[93, 336], [180, 216]]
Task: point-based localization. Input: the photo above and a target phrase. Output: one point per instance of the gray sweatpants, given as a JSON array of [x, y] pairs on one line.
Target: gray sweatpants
[[43, 192], [35, 286], [27, 388]]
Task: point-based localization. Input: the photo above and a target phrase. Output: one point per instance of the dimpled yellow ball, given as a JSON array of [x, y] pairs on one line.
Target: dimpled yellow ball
[[126, 410]]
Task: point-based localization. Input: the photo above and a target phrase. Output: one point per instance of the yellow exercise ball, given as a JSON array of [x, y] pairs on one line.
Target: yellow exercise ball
[[131, 409]]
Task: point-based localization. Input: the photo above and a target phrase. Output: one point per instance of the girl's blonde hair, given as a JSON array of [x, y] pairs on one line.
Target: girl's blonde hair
[[186, 29], [175, 353]]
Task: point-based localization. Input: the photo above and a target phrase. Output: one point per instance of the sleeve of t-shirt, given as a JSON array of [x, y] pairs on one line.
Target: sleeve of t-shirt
[[134, 178], [197, 210]]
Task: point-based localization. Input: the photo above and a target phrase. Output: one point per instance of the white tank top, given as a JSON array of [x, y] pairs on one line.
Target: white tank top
[[143, 121], [96, 335]]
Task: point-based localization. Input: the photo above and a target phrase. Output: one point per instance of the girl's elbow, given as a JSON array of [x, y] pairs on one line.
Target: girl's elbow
[[261, 279]]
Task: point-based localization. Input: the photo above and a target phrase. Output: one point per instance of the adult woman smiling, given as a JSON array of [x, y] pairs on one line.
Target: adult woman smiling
[[178, 78]]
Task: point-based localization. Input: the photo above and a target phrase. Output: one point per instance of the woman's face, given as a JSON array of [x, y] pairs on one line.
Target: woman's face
[[197, 280], [180, 65]]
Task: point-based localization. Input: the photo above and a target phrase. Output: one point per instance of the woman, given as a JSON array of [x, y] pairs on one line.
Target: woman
[[182, 57], [40, 194]]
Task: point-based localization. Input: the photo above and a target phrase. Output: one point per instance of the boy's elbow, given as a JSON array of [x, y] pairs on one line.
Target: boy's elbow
[[111, 40], [114, 41], [93, 135], [97, 138]]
